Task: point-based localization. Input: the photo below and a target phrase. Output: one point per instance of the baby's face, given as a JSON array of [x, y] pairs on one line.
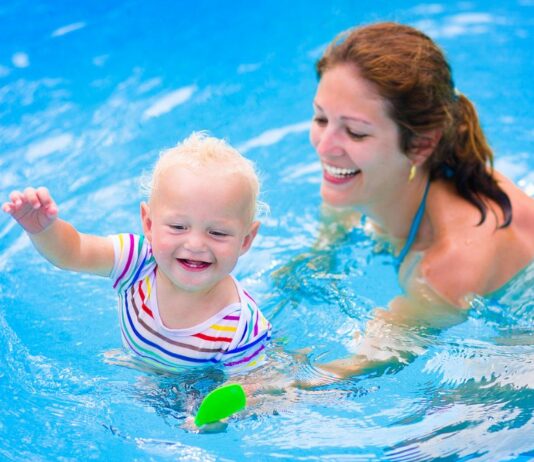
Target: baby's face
[[198, 225]]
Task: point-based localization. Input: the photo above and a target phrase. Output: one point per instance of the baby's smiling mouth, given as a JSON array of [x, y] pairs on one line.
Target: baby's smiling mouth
[[193, 265]]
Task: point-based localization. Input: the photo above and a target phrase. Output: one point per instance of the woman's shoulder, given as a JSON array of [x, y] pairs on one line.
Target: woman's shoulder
[[452, 214], [467, 256], [455, 223], [522, 204], [456, 267]]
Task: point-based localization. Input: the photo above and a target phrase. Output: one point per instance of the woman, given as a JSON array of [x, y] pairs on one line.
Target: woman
[[401, 145]]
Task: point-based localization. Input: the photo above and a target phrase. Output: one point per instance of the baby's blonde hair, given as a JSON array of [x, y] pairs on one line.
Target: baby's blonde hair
[[200, 151]]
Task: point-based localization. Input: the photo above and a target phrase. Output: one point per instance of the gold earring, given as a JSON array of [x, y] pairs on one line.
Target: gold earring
[[413, 171]]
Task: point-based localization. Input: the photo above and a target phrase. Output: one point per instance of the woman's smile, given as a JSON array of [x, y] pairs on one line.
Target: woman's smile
[[339, 175]]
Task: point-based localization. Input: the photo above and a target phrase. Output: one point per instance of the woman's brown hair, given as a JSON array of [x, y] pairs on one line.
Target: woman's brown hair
[[411, 73]]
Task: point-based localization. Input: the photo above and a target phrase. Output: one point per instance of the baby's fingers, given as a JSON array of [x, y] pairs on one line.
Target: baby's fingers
[[46, 201], [6, 207], [16, 201], [31, 197]]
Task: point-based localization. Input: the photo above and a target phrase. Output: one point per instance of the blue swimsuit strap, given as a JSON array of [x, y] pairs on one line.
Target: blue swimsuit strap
[[414, 228]]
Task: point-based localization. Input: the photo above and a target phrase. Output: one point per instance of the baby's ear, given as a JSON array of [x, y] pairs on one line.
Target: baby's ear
[[146, 221], [249, 238]]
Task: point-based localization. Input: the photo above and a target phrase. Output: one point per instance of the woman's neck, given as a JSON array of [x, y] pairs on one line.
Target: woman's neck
[[393, 215]]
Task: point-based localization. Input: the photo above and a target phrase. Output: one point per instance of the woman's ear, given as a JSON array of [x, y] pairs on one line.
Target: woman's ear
[[423, 145], [146, 221], [249, 238]]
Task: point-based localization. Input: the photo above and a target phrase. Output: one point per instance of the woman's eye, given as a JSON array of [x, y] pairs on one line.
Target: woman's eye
[[320, 120], [355, 135]]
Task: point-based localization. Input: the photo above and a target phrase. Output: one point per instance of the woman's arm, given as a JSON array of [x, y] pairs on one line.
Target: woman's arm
[[395, 336]]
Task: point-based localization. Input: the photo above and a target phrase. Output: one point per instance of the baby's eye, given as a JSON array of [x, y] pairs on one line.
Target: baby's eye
[[178, 227], [218, 233]]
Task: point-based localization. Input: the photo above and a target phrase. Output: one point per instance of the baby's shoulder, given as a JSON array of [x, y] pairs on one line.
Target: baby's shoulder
[[133, 259]]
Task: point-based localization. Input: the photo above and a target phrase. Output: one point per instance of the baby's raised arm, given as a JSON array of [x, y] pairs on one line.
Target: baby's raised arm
[[57, 240]]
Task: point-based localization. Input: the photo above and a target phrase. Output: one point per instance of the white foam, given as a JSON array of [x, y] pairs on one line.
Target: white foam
[[100, 60], [149, 85], [505, 365], [246, 68], [513, 167], [459, 24], [473, 18], [432, 8], [8, 179], [68, 29], [274, 135], [298, 171], [49, 145], [169, 101], [20, 60], [527, 184]]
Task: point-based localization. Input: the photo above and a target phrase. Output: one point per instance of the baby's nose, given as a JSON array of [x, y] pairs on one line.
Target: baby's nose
[[195, 243]]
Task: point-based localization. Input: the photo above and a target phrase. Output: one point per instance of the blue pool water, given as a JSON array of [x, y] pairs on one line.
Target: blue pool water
[[91, 92]]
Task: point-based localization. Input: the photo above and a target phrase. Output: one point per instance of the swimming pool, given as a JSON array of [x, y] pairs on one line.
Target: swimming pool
[[88, 97]]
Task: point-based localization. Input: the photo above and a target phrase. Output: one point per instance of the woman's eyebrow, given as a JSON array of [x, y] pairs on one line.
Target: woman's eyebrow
[[354, 119]]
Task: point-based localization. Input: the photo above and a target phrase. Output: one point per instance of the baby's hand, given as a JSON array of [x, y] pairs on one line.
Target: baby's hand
[[34, 209]]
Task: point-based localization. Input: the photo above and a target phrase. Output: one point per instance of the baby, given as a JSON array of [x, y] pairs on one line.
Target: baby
[[178, 303]]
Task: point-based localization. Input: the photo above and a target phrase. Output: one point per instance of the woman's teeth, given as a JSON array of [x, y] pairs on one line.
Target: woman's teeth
[[340, 172]]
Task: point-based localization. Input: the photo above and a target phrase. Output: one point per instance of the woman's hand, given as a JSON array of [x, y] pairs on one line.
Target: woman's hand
[[34, 209]]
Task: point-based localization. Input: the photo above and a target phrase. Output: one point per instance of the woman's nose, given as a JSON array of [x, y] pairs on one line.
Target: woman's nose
[[328, 143]]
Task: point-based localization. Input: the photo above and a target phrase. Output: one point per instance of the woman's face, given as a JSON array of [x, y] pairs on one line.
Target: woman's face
[[357, 141]]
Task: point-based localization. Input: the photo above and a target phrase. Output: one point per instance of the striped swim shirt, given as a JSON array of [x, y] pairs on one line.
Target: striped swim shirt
[[235, 337]]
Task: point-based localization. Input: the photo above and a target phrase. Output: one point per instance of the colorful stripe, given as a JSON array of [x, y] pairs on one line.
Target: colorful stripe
[[210, 338], [145, 308], [246, 359], [128, 262]]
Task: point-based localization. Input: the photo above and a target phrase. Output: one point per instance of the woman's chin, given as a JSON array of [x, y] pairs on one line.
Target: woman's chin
[[336, 198]]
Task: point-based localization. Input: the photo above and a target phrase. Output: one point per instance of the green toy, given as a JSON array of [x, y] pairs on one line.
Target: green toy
[[221, 403]]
